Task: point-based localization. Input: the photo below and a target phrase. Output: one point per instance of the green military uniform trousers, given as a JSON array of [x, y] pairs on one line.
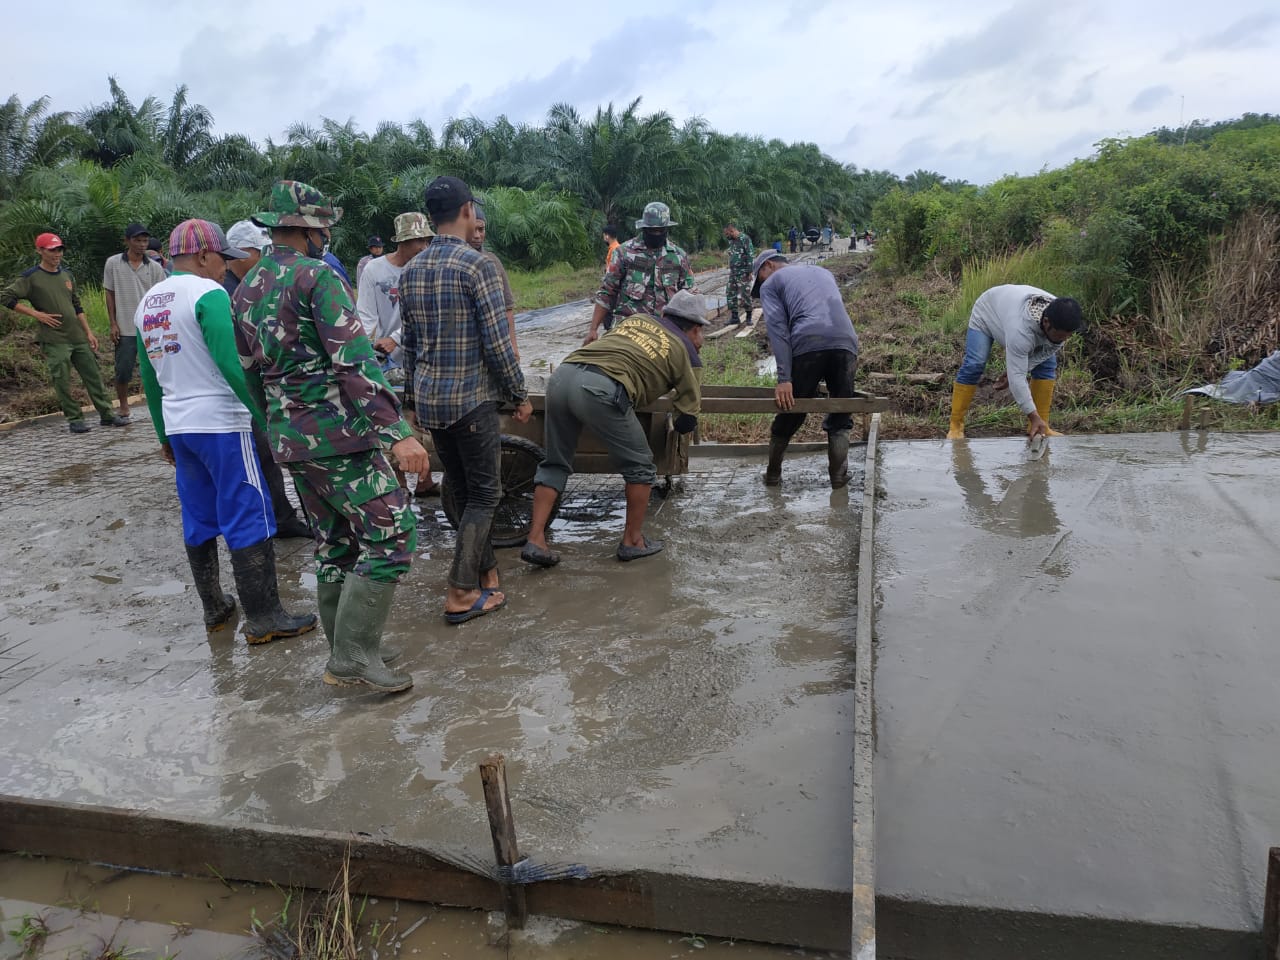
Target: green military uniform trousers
[[361, 516], [61, 357]]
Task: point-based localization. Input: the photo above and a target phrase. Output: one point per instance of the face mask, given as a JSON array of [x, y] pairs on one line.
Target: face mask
[[313, 250], [655, 240]]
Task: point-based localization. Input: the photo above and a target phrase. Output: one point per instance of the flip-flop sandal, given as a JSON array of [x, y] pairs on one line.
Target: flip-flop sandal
[[532, 553], [477, 608], [650, 547]]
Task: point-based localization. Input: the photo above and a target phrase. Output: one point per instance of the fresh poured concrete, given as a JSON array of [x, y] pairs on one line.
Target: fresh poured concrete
[[1076, 689], [688, 714]]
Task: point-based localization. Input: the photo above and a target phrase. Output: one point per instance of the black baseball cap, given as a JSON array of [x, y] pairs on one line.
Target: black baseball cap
[[135, 230], [446, 194], [375, 241]]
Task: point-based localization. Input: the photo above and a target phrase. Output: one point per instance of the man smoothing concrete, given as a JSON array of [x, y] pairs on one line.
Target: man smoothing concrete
[[126, 277], [201, 410], [329, 414], [52, 300], [598, 387], [813, 340], [1031, 325]]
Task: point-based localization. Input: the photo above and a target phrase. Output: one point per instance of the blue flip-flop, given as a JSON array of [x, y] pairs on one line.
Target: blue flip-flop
[[477, 608]]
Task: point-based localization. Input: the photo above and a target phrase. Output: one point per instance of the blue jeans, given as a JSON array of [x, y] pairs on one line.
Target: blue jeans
[[471, 453], [977, 350]]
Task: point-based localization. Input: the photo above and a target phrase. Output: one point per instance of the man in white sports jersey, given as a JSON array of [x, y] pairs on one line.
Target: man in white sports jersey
[[200, 406]]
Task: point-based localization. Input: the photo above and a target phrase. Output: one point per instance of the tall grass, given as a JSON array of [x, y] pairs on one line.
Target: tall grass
[[1035, 266], [535, 289]]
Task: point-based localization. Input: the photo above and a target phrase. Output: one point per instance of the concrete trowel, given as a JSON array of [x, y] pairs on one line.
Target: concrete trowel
[[1037, 446]]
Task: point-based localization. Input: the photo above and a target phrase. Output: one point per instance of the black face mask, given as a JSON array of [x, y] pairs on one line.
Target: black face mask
[[655, 239], [313, 250]]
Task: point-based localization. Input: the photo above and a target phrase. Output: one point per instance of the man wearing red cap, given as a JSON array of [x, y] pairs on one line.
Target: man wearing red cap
[[52, 300]]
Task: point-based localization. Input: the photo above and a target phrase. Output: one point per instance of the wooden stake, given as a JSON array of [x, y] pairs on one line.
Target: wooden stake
[[493, 774], [1271, 907]]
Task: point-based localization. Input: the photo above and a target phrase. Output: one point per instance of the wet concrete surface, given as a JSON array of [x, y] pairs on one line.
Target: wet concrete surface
[[690, 712], [1076, 696]]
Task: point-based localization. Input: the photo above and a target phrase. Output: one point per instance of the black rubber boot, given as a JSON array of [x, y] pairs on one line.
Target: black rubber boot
[[265, 619], [218, 606], [356, 656], [291, 526], [838, 458], [777, 449]]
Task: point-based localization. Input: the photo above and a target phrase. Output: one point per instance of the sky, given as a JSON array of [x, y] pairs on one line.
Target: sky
[[973, 91]]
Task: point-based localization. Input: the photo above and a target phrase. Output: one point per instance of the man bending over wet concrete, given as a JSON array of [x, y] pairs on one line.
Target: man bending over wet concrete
[[329, 413], [598, 387], [1032, 326], [461, 366], [813, 340], [202, 410]]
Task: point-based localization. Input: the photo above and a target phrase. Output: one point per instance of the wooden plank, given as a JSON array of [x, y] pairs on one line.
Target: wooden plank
[[809, 917], [706, 450], [1271, 907], [864, 835], [926, 378], [497, 802]]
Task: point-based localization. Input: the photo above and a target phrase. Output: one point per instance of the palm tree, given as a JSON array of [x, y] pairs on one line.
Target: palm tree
[[186, 133], [118, 130], [30, 137]]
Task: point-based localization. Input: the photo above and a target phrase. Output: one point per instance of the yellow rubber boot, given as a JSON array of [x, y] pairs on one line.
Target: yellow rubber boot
[[1042, 397], [961, 397]]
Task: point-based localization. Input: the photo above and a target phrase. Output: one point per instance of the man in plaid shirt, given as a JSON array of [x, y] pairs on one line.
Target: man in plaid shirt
[[460, 366]]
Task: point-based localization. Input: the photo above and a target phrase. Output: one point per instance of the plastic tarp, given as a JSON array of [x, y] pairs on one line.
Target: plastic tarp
[[1260, 385]]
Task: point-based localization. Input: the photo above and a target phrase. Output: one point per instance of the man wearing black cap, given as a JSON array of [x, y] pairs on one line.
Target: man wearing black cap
[[375, 251], [453, 313], [813, 340], [126, 278]]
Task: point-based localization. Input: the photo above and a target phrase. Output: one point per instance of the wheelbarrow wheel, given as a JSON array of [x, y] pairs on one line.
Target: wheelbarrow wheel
[[514, 515]]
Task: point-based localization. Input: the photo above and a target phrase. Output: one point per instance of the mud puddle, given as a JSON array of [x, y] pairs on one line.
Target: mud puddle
[[52, 909]]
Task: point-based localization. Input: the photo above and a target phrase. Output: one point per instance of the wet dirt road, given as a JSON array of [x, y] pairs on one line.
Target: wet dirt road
[[1076, 696], [688, 713]]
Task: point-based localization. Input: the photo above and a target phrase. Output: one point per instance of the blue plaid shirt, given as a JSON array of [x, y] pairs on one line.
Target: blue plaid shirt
[[457, 347]]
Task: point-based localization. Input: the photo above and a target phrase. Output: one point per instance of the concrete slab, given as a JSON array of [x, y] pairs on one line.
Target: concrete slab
[[689, 714], [1076, 695]]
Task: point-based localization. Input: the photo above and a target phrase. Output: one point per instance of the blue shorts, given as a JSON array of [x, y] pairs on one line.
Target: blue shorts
[[221, 489]]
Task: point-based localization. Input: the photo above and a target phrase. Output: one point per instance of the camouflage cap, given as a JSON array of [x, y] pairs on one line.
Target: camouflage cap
[[657, 216], [411, 226], [297, 204]]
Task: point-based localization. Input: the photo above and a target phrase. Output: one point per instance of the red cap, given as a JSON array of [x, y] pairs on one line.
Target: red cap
[[47, 241]]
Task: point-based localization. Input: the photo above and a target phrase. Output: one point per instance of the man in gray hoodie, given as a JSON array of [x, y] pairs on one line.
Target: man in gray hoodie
[[813, 340]]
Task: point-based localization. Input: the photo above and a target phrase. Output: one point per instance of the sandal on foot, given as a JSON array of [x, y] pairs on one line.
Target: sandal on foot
[[650, 547], [477, 609], [532, 553]]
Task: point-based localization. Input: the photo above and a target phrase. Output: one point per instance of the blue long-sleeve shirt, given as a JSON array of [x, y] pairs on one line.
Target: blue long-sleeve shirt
[[804, 313]]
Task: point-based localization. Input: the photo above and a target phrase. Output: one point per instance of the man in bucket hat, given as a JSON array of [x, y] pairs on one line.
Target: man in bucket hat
[[599, 386], [643, 275], [202, 413], [330, 412]]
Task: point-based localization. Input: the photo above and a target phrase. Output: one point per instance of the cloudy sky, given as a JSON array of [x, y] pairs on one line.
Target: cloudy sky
[[971, 90]]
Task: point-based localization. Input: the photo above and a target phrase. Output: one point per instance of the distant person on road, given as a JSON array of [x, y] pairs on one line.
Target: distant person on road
[[478, 234], [330, 413], [62, 332], [375, 250], [643, 275], [610, 236], [813, 340], [202, 410], [738, 292], [126, 277], [793, 237], [251, 239], [1032, 325], [826, 236], [599, 386], [461, 367], [378, 305]]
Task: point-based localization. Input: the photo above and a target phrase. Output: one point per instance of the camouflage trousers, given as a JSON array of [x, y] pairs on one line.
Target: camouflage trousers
[[738, 294], [360, 514]]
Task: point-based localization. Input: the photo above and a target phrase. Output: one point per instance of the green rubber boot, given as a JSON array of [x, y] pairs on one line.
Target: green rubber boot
[[356, 655], [327, 597], [838, 458]]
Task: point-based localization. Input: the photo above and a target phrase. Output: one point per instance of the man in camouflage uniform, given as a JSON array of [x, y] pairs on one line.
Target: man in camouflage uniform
[[329, 413], [741, 253], [643, 275]]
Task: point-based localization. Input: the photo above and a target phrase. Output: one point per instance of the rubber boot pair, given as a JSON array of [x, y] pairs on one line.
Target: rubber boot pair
[[1042, 397], [355, 654], [777, 450], [265, 620], [218, 606], [328, 596], [961, 397], [838, 458]]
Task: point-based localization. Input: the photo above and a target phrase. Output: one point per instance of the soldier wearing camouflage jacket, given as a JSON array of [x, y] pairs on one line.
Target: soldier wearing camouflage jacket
[[330, 413], [643, 275], [741, 254]]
